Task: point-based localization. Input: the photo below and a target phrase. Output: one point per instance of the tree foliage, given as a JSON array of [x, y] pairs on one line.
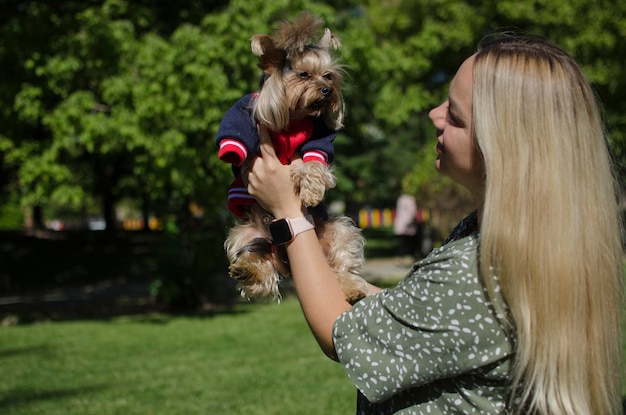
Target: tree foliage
[[110, 100]]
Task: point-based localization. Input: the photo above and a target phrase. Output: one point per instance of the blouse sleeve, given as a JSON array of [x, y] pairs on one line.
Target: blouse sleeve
[[436, 324]]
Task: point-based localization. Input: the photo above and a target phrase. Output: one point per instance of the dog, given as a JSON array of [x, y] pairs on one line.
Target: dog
[[301, 104]]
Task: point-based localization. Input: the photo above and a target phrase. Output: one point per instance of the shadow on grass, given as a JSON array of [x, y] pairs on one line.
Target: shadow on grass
[[42, 349], [84, 275], [95, 275], [142, 313], [47, 259], [18, 397]]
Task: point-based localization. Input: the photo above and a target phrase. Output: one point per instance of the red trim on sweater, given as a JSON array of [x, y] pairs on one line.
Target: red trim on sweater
[[232, 151]]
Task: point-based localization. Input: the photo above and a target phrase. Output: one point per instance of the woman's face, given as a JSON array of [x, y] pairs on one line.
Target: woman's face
[[457, 154]]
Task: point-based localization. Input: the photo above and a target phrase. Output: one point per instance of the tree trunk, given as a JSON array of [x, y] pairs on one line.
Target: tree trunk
[[37, 218], [145, 211], [108, 211]]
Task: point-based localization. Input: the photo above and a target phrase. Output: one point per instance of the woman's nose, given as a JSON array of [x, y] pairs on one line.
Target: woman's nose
[[438, 115]]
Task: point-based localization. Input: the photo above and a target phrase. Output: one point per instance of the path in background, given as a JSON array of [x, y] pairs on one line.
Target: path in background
[[384, 268]]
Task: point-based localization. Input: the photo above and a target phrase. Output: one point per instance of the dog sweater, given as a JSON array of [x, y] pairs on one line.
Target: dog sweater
[[237, 139]]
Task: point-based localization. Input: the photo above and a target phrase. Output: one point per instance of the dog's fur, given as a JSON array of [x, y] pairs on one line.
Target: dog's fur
[[299, 79]]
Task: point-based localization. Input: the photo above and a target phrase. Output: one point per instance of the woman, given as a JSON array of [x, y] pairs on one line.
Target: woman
[[519, 311]]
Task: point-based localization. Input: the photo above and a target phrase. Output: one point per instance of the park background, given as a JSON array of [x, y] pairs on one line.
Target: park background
[[109, 177]]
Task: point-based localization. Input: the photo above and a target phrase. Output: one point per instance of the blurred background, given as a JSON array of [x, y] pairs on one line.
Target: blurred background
[[109, 109]]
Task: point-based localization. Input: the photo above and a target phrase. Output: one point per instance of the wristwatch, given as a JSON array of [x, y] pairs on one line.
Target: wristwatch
[[285, 230]]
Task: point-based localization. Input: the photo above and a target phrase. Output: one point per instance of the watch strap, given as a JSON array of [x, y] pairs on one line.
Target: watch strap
[[299, 225]]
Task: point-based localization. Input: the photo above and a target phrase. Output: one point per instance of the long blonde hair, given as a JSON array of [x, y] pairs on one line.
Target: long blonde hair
[[550, 231]]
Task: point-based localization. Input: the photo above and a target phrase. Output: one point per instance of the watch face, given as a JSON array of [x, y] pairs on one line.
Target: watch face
[[281, 232]]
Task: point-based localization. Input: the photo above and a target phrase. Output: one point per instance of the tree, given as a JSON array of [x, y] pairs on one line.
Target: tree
[[403, 53], [594, 32], [110, 99]]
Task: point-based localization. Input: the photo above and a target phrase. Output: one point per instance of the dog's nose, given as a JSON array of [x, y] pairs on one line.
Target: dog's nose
[[326, 91]]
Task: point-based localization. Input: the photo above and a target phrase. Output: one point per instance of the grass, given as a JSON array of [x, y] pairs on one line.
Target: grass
[[255, 359], [250, 359]]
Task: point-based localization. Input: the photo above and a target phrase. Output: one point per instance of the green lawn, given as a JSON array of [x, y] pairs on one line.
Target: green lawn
[[257, 359], [253, 359]]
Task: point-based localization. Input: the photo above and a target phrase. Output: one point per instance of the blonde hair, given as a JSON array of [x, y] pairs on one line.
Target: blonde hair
[[550, 232]]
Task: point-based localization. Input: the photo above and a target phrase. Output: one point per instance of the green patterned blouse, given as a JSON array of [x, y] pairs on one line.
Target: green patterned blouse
[[432, 345]]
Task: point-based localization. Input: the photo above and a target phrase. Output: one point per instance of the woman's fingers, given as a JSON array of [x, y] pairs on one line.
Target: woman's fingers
[[267, 148], [245, 170], [267, 159]]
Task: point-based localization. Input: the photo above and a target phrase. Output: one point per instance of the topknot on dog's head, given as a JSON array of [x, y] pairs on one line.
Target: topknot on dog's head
[[303, 33], [291, 39]]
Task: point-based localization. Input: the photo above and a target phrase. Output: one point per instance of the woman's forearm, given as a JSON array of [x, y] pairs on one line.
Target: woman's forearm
[[320, 294]]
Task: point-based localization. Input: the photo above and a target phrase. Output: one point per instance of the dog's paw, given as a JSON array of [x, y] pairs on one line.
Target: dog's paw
[[312, 179], [241, 272], [355, 296], [256, 278]]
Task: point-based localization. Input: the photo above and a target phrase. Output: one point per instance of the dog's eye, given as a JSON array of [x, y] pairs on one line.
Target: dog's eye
[[304, 75], [328, 76]]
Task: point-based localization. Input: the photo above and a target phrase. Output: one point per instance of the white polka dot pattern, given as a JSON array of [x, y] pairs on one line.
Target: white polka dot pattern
[[432, 345]]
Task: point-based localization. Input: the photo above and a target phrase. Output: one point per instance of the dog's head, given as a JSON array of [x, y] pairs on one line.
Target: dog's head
[[300, 78]]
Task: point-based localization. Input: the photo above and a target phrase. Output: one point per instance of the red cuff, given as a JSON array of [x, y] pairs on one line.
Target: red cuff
[[232, 151], [239, 198], [315, 156]]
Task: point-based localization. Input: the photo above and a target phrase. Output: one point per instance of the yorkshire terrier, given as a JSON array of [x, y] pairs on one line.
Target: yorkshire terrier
[[301, 104]]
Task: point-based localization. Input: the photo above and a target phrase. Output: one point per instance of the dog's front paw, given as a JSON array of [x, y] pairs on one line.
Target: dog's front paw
[[256, 278], [312, 179], [354, 295], [241, 272]]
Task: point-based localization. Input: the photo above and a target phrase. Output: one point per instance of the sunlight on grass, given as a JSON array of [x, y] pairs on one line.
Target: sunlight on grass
[[253, 359], [260, 359]]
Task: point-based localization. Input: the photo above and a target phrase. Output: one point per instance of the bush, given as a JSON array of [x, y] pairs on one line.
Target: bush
[[192, 267], [11, 217]]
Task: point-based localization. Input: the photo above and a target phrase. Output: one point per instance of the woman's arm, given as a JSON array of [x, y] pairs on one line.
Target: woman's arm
[[320, 294]]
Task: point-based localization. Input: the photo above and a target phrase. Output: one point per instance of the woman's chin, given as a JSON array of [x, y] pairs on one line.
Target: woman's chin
[[439, 165]]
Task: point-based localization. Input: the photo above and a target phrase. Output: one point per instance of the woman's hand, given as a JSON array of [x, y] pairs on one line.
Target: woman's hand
[[269, 181]]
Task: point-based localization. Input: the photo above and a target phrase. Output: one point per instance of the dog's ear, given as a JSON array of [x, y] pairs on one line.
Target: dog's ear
[[271, 58], [329, 41]]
